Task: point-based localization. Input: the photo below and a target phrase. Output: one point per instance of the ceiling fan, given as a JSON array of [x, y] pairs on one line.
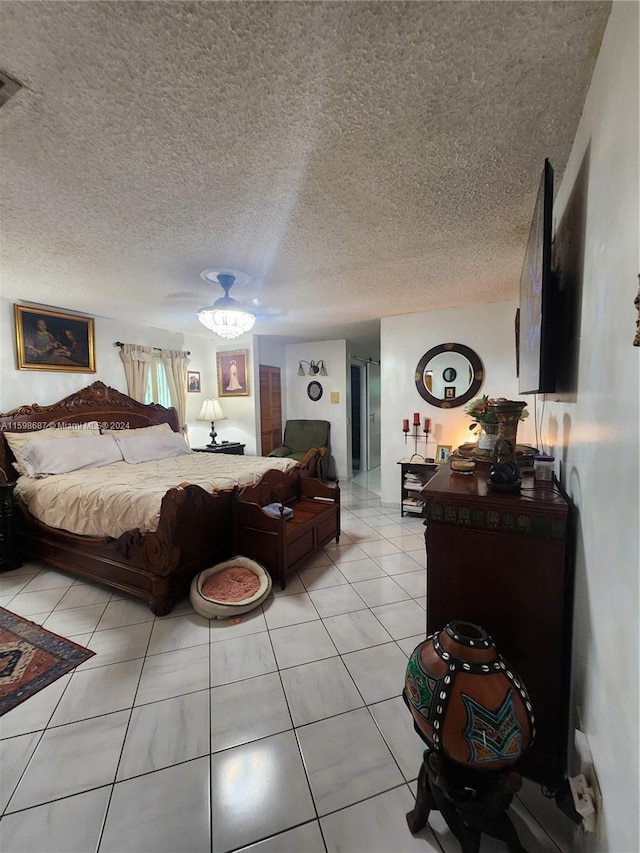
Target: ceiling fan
[[226, 316]]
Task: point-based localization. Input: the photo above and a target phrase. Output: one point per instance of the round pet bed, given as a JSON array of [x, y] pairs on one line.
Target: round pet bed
[[223, 608]]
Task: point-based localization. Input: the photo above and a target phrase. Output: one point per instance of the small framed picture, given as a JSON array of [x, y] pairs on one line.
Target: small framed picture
[[443, 452], [47, 339], [193, 382], [449, 392]]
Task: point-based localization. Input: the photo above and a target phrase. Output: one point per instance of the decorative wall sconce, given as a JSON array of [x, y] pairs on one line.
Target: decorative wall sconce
[[314, 368]]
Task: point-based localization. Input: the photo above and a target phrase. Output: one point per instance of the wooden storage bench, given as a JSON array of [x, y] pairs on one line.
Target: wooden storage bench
[[281, 545]]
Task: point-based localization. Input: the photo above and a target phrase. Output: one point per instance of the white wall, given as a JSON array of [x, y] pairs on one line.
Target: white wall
[[597, 436], [18, 387], [487, 329], [203, 359], [334, 355]]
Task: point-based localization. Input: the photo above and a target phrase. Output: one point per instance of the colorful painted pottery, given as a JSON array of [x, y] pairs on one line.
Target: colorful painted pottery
[[467, 703]]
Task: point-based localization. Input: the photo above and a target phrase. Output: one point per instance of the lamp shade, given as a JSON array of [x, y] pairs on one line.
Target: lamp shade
[[211, 411]]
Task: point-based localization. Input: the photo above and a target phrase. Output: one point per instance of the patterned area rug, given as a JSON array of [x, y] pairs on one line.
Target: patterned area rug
[[31, 658]]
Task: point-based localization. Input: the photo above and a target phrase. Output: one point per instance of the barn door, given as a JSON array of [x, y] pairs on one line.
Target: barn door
[[270, 408]]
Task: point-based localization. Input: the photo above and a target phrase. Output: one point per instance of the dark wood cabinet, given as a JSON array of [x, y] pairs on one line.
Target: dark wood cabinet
[[270, 409], [501, 561]]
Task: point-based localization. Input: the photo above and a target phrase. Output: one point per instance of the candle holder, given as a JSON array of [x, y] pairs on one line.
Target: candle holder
[[415, 434], [426, 431]]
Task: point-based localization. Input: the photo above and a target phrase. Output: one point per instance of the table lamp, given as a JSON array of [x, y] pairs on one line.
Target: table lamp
[[211, 411]]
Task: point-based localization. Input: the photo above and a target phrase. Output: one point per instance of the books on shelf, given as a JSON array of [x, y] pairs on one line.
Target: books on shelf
[[413, 482], [413, 503]]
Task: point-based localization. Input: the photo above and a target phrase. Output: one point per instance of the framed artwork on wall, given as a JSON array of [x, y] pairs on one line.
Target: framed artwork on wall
[[449, 392], [47, 339], [193, 382], [233, 379]]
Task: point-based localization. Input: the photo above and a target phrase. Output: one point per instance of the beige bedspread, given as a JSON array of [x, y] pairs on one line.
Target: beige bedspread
[[110, 500]]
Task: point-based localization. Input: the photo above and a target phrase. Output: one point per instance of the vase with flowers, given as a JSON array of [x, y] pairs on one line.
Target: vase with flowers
[[494, 417]]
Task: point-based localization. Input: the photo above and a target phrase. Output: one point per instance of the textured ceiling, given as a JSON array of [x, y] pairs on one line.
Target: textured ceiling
[[357, 160]]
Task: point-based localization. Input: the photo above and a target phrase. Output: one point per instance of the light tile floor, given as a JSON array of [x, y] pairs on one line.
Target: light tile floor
[[285, 733]]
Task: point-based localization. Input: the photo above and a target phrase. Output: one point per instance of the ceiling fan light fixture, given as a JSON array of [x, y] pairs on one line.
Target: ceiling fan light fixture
[[226, 317]]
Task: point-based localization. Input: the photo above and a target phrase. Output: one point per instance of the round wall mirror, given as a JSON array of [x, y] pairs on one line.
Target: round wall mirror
[[449, 375], [314, 391]]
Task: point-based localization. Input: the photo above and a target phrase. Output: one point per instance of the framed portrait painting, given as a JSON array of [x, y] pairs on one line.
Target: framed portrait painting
[[193, 382], [233, 379], [47, 339]]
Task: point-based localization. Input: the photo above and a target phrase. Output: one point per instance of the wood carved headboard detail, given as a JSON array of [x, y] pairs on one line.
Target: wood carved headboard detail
[[97, 402]]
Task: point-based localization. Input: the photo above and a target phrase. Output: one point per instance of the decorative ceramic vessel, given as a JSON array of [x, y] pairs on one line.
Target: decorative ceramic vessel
[[508, 413], [486, 442], [466, 701]]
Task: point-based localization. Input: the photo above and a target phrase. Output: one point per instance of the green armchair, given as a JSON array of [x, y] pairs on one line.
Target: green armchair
[[300, 437]]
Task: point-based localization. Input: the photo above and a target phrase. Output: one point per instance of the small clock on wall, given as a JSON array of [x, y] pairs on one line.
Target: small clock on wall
[[314, 391]]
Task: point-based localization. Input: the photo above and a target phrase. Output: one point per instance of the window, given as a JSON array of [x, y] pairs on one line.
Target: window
[[157, 386]]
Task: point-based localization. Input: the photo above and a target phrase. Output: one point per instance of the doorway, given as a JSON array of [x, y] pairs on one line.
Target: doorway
[[356, 415], [365, 415]]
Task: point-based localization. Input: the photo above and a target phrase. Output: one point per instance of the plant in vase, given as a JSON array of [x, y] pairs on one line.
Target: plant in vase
[[488, 416]]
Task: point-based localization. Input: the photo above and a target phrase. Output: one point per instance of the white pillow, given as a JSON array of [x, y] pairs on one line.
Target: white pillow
[[17, 440], [139, 431], [146, 448], [42, 458]]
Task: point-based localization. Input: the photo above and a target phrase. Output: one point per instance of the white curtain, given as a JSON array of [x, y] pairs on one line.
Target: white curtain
[[175, 364], [136, 360]]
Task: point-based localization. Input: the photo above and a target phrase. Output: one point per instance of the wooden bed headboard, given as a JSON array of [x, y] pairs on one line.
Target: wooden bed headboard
[[97, 402]]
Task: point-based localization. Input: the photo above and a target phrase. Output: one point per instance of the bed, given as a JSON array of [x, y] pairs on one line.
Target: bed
[[156, 558]]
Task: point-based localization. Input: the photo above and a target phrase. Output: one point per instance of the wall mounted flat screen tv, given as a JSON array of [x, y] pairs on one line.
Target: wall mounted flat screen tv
[[538, 298]]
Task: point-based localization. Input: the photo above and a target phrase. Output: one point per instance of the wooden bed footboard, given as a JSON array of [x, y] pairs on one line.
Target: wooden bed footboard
[[194, 532]]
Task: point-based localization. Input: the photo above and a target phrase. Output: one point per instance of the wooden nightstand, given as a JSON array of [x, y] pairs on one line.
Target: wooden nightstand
[[233, 448]]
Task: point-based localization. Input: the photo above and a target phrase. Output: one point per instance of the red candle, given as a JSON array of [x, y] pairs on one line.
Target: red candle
[[416, 418], [427, 424], [405, 425]]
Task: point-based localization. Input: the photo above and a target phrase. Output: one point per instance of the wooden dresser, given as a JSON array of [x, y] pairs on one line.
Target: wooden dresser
[[501, 561]]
